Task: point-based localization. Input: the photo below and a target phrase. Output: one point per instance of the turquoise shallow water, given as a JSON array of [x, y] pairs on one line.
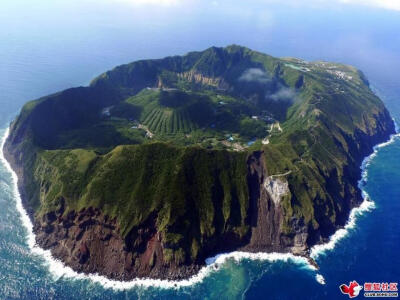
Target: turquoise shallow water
[[28, 275], [48, 47]]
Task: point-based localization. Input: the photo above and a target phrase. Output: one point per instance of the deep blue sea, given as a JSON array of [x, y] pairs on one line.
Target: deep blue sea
[[46, 46]]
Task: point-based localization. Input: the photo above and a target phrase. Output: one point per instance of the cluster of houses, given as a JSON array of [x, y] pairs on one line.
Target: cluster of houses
[[161, 89], [265, 116]]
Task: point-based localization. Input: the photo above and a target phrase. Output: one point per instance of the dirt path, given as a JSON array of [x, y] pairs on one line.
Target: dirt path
[[148, 132]]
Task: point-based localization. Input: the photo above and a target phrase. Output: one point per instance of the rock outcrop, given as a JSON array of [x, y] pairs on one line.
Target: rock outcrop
[[91, 242]]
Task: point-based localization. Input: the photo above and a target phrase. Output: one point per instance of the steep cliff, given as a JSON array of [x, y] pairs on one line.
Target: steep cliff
[[160, 164]]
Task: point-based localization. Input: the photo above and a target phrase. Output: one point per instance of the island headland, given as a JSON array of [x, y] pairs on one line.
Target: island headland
[[159, 164]]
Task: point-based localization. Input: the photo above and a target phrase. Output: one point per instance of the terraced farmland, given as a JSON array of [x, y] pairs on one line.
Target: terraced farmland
[[172, 112], [168, 122], [188, 113]]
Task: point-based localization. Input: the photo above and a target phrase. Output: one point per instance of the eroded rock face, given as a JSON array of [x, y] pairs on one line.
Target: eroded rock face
[[199, 78], [90, 242], [276, 187], [266, 213]]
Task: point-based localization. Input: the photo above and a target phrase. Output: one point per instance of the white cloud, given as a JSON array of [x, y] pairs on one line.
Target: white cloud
[[387, 4], [255, 75], [284, 94]]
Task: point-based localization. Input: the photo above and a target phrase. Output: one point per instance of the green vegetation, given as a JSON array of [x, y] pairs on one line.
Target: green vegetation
[[133, 182], [155, 139]]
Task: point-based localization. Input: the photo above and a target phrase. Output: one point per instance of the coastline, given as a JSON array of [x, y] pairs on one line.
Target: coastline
[[58, 269], [367, 205]]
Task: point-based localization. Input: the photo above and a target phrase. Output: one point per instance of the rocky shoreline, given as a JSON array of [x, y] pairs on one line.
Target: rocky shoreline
[[90, 242]]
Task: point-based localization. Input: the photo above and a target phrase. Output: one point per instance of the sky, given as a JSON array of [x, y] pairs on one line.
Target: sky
[[87, 37], [386, 4]]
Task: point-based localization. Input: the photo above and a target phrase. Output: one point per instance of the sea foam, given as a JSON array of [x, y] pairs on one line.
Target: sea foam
[[366, 206], [58, 270]]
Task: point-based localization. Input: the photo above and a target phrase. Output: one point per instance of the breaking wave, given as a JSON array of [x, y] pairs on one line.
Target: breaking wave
[[366, 206], [58, 270]]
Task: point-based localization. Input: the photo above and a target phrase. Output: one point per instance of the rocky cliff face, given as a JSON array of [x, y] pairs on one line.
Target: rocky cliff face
[[265, 214], [198, 78], [91, 242]]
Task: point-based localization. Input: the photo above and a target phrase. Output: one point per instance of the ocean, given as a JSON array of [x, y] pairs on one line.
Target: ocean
[[47, 47]]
